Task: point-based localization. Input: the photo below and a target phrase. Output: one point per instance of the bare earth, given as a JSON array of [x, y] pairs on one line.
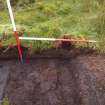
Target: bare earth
[[57, 77]]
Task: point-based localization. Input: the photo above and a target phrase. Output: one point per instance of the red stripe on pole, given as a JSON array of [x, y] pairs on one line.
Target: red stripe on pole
[[18, 45]]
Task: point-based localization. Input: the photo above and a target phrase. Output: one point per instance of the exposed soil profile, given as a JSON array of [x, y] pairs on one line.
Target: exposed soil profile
[[56, 77]]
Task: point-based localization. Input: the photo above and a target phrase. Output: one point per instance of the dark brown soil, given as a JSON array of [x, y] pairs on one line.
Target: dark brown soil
[[56, 77]]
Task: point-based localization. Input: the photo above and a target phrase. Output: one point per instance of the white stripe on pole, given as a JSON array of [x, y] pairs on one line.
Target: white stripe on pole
[[11, 15], [92, 41], [54, 39], [41, 39]]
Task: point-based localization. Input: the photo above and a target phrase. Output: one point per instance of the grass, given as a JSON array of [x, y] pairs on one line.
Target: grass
[[101, 28], [5, 102], [52, 19]]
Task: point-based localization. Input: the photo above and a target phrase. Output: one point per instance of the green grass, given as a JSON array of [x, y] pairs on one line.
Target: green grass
[[100, 29], [5, 102], [46, 18]]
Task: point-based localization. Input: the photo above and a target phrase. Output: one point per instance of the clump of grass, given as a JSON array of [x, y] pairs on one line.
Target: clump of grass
[[5, 101]]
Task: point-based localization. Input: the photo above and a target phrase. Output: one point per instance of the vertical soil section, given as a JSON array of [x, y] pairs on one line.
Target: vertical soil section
[[62, 77]]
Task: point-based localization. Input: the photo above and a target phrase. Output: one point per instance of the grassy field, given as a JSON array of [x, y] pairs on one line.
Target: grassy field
[[46, 18]]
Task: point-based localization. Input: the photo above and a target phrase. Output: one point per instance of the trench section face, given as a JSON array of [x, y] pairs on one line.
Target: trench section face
[[57, 82]]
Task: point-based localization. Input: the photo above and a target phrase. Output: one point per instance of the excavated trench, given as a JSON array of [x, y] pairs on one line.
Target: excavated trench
[[55, 77]]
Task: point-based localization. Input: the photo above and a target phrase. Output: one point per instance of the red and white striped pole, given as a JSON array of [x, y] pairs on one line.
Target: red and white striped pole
[[14, 29], [54, 39]]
